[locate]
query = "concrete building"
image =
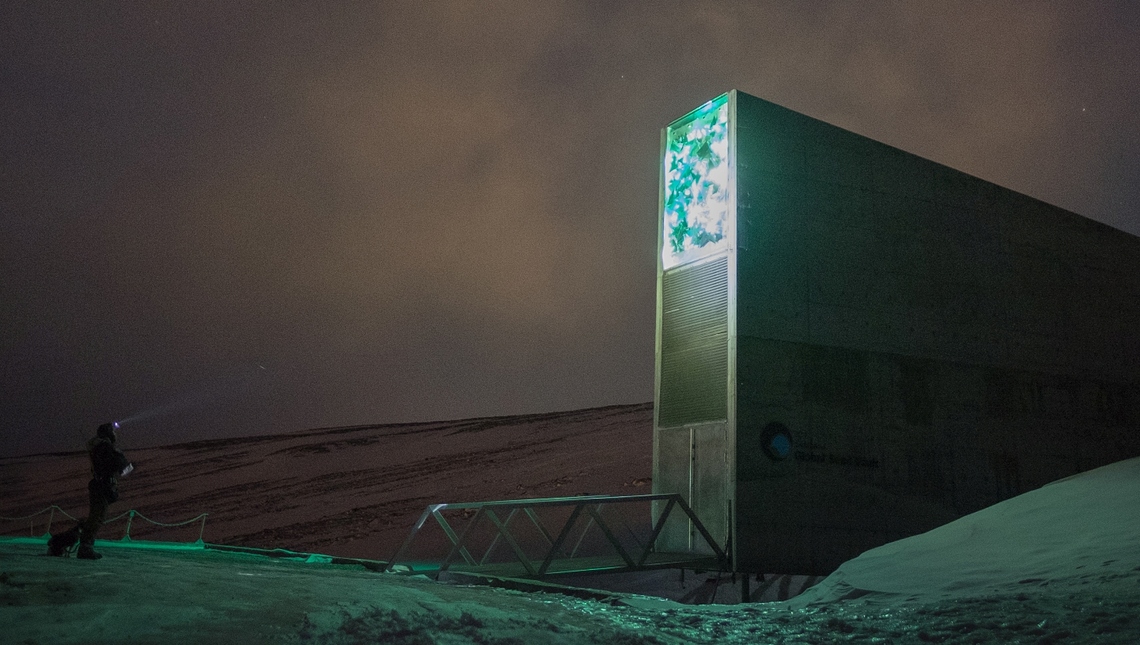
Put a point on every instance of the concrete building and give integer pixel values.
(855, 344)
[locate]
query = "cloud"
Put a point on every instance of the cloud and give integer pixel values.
(419, 210)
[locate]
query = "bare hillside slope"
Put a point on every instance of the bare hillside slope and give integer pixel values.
(351, 491)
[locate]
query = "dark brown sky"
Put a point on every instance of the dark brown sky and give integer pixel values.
(248, 218)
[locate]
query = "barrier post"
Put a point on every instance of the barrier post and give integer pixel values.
(130, 518)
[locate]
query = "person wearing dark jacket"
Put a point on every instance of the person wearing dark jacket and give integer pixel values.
(108, 463)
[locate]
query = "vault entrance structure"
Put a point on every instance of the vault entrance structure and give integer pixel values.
(855, 344)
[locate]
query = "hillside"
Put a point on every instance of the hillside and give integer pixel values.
(351, 491)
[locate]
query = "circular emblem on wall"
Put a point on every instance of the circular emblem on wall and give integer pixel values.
(777, 441)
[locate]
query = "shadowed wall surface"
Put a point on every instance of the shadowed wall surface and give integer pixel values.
(934, 343)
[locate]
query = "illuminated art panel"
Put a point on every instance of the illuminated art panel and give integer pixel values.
(696, 200)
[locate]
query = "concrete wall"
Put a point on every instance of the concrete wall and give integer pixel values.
(935, 343)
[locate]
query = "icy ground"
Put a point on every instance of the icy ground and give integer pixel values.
(1057, 565)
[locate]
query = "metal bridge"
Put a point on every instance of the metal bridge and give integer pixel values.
(594, 536)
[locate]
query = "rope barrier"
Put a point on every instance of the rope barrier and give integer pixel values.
(130, 515)
(52, 508)
(157, 523)
(25, 517)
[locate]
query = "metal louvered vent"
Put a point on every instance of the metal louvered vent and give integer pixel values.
(694, 344)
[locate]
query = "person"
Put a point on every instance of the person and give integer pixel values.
(108, 463)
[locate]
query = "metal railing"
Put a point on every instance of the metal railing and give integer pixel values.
(500, 515)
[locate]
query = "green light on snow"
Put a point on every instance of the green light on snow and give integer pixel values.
(696, 184)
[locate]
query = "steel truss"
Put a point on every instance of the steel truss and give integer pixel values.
(558, 559)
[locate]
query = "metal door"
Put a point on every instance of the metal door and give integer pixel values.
(709, 496)
(674, 460)
(693, 461)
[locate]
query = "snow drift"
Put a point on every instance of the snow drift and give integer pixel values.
(1082, 528)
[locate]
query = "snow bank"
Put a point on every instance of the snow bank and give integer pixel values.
(1082, 528)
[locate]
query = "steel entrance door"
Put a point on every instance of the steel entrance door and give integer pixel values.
(709, 497)
(693, 461)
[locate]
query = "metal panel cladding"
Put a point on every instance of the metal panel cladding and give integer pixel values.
(694, 344)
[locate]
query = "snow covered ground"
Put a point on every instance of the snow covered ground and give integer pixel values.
(1082, 531)
(1060, 564)
(1057, 565)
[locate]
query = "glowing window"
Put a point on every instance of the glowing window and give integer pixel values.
(696, 184)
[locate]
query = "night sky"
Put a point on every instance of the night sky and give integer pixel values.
(228, 218)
